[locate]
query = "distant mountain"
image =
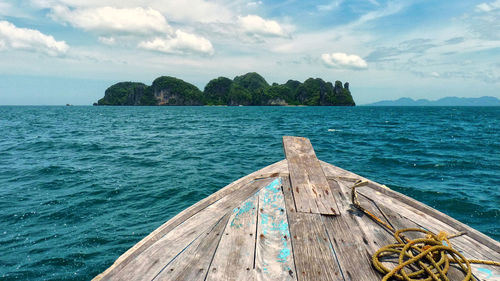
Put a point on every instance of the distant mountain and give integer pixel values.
(448, 101)
(247, 89)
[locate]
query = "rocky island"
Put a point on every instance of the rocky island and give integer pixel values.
(248, 89)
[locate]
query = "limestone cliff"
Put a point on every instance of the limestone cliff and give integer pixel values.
(172, 91)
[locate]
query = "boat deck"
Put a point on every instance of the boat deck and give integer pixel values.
(292, 220)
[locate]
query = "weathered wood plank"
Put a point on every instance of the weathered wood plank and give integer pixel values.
(476, 249)
(375, 235)
(464, 244)
(437, 215)
(286, 187)
(273, 253)
(339, 173)
(372, 234)
(350, 241)
(303, 196)
(395, 216)
(192, 264)
(485, 272)
(367, 203)
(386, 213)
(311, 191)
(274, 170)
(313, 253)
(484, 240)
(234, 258)
(473, 245)
(471, 249)
(402, 215)
(149, 263)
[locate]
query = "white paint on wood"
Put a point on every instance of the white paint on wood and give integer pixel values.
(234, 258)
(273, 257)
(149, 263)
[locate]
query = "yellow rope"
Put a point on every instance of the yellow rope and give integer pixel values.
(427, 258)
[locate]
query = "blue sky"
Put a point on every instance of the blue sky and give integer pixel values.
(70, 51)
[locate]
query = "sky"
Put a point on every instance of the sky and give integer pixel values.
(69, 51)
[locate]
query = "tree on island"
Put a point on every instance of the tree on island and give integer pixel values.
(247, 89)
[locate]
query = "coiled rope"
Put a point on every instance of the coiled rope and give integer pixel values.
(427, 258)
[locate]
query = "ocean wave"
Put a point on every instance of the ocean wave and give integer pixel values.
(80, 187)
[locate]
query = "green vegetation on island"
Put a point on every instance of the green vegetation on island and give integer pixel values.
(248, 89)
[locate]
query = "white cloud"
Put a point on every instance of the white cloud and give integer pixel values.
(329, 7)
(147, 25)
(110, 20)
(191, 10)
(253, 24)
(488, 7)
(254, 3)
(126, 19)
(181, 43)
(435, 74)
(483, 7)
(173, 10)
(391, 9)
(484, 22)
(12, 37)
(343, 60)
(107, 40)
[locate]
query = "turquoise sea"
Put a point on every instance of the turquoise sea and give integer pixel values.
(81, 185)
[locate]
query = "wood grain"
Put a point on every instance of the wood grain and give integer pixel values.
(192, 263)
(399, 221)
(273, 253)
(234, 258)
(476, 249)
(470, 248)
(491, 244)
(311, 191)
(254, 230)
(313, 254)
(350, 242)
(149, 263)
(273, 170)
(375, 235)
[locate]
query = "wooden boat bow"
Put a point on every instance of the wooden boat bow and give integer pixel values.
(292, 220)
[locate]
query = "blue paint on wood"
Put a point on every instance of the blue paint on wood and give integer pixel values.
(264, 221)
(264, 267)
(284, 254)
(486, 271)
(272, 198)
(274, 186)
(283, 227)
(247, 206)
